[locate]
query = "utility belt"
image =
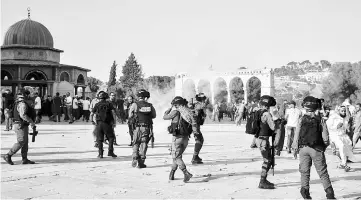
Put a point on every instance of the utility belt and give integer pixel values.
(263, 137)
(22, 123)
(142, 125)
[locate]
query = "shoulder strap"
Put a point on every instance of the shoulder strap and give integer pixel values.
(179, 118)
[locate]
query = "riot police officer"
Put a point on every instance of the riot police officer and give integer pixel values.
(24, 115)
(266, 130)
(143, 112)
(200, 113)
(311, 140)
(104, 115)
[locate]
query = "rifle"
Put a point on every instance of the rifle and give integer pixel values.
(34, 134)
(273, 155)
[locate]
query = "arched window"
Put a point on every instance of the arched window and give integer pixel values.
(64, 76)
(80, 79)
(5, 75)
(36, 75)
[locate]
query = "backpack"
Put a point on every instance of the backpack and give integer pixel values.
(182, 127)
(253, 122)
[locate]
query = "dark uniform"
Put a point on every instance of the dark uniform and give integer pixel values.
(181, 130)
(311, 139)
(24, 115)
(105, 114)
(144, 112)
(130, 122)
(200, 113)
(115, 106)
(266, 131)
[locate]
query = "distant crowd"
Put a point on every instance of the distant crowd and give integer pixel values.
(66, 108)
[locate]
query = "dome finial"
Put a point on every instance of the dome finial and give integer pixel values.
(29, 12)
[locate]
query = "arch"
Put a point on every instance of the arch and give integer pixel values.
(220, 90)
(204, 86)
(36, 75)
(189, 89)
(64, 76)
(236, 89)
(80, 79)
(5, 75)
(253, 87)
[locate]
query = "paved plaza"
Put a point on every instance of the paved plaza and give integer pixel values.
(67, 168)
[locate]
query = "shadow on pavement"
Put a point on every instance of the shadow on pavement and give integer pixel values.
(255, 173)
(318, 181)
(354, 196)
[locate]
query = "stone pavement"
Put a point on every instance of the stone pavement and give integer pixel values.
(67, 168)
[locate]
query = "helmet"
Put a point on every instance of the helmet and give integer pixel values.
(103, 95)
(201, 97)
(267, 101)
(143, 93)
(177, 101)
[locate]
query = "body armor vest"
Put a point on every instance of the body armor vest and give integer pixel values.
(144, 112)
(311, 131)
(265, 130)
(29, 112)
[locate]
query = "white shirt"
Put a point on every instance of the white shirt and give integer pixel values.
(69, 100)
(37, 103)
(293, 116)
(75, 103)
(86, 105)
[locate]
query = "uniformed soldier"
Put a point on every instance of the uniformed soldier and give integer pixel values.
(104, 115)
(113, 101)
(311, 140)
(24, 115)
(267, 127)
(200, 114)
(92, 105)
(130, 123)
(144, 112)
(182, 125)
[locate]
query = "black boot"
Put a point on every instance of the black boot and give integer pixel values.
(187, 175)
(141, 164)
(101, 151)
(134, 162)
(111, 153)
(7, 158)
(26, 160)
(111, 148)
(171, 174)
(330, 194)
(264, 184)
(305, 193)
(196, 160)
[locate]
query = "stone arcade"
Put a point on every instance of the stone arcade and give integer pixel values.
(207, 82)
(28, 58)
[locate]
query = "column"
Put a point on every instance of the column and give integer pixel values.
(245, 94)
(228, 94)
(19, 87)
(76, 90)
(83, 92)
(13, 89)
(48, 88)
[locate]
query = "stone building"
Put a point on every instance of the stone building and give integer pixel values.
(28, 58)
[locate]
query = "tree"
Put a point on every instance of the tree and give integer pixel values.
(343, 82)
(112, 75)
(254, 89)
(132, 74)
(94, 84)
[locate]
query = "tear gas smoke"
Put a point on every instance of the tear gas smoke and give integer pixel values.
(220, 90)
(189, 90)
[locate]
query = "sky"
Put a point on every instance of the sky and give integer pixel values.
(168, 37)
